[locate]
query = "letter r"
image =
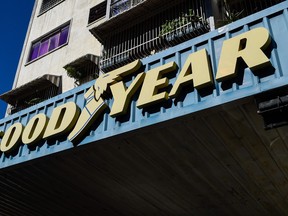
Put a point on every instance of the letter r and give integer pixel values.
(250, 47)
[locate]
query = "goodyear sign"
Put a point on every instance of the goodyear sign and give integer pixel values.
(68, 120)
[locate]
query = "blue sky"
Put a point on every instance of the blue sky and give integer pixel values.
(14, 20)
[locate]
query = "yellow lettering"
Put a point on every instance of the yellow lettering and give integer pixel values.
(95, 103)
(197, 69)
(249, 46)
(122, 96)
(105, 80)
(11, 138)
(89, 114)
(34, 130)
(152, 83)
(62, 120)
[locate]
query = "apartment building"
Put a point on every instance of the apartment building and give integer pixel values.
(148, 107)
(57, 37)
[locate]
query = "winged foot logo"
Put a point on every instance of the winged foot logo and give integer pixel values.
(95, 103)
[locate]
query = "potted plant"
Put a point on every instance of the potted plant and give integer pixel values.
(184, 24)
(74, 73)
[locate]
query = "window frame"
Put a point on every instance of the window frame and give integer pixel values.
(48, 36)
(44, 11)
(102, 7)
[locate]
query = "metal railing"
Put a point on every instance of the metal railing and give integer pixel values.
(35, 98)
(172, 26)
(149, 47)
(166, 28)
(91, 72)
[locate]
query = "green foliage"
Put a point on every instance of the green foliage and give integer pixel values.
(182, 20)
(74, 73)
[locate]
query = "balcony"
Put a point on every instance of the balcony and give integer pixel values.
(32, 93)
(142, 36)
(83, 69)
(154, 41)
(127, 35)
(129, 12)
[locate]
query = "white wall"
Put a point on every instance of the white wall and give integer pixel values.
(81, 41)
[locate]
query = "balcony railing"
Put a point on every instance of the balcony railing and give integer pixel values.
(175, 24)
(164, 28)
(83, 69)
(33, 99)
(156, 44)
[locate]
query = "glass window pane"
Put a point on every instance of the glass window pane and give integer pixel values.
(54, 41)
(44, 47)
(34, 51)
(64, 36)
(50, 43)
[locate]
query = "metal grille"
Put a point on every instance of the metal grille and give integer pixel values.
(35, 98)
(150, 36)
(47, 4)
(86, 68)
(91, 72)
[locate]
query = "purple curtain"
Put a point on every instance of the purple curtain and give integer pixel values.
(44, 47)
(34, 51)
(54, 41)
(64, 36)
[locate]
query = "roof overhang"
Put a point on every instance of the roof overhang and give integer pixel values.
(88, 58)
(39, 83)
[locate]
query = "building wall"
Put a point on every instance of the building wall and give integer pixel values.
(80, 41)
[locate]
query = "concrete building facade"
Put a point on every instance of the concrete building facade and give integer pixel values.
(74, 15)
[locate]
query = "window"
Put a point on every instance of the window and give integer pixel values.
(48, 4)
(97, 12)
(49, 43)
(119, 6)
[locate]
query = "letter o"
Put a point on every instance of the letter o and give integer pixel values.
(11, 138)
(34, 130)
